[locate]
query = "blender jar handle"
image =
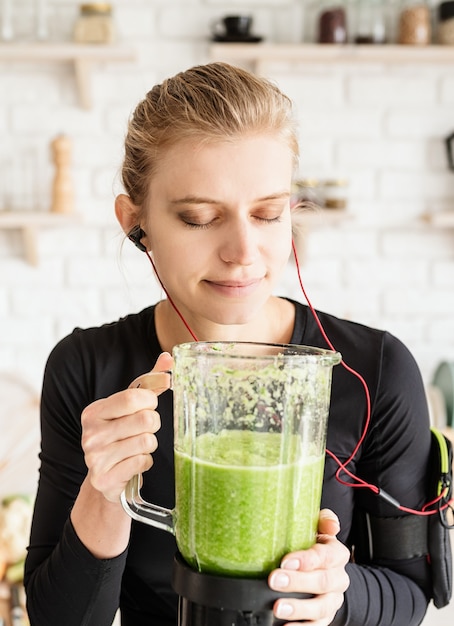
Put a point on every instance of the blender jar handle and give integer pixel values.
(131, 500)
(143, 511)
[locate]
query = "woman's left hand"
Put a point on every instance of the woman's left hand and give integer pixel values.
(320, 570)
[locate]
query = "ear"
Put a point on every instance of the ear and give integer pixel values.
(126, 212)
(128, 215)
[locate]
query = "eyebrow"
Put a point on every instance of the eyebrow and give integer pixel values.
(191, 199)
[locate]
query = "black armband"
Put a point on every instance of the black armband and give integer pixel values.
(410, 536)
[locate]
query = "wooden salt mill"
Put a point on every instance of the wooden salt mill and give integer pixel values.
(62, 188)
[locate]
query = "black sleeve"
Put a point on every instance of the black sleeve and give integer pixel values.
(65, 583)
(380, 597)
(394, 457)
(72, 587)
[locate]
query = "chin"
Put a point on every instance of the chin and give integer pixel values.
(237, 315)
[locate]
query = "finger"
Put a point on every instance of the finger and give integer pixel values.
(112, 483)
(119, 404)
(115, 453)
(326, 553)
(317, 581)
(98, 437)
(145, 421)
(163, 362)
(153, 380)
(319, 610)
(328, 522)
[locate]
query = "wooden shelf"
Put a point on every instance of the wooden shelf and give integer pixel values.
(81, 56)
(260, 54)
(29, 223)
(442, 219)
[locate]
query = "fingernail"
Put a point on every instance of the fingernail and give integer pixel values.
(328, 514)
(292, 564)
(284, 610)
(279, 580)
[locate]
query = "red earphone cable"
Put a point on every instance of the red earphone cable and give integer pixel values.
(342, 467)
(169, 298)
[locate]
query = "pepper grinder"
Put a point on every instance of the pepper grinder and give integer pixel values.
(62, 188)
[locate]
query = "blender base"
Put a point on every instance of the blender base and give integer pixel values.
(209, 600)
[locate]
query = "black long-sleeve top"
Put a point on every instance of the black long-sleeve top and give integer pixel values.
(66, 584)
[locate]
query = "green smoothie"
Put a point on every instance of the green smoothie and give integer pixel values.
(239, 509)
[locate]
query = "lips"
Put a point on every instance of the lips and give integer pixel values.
(235, 289)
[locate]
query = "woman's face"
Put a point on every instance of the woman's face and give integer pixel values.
(218, 225)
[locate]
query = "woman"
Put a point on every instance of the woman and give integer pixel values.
(209, 159)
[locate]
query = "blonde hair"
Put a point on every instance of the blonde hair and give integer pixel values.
(210, 102)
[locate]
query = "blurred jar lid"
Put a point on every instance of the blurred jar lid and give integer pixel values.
(96, 8)
(307, 182)
(336, 182)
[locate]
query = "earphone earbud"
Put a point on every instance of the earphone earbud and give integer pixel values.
(135, 235)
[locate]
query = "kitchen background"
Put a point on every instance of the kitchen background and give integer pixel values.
(387, 260)
(379, 125)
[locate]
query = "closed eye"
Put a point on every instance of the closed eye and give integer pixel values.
(197, 226)
(270, 212)
(206, 212)
(204, 225)
(268, 220)
(198, 218)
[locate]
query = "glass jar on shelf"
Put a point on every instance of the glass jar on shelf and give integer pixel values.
(335, 193)
(445, 25)
(307, 193)
(332, 21)
(95, 23)
(369, 22)
(414, 22)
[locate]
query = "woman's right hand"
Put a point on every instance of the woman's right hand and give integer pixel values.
(119, 435)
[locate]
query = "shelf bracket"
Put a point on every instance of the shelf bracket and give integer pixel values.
(30, 246)
(82, 70)
(29, 223)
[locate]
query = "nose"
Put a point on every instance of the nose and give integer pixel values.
(239, 244)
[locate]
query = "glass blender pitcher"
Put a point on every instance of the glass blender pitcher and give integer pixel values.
(250, 423)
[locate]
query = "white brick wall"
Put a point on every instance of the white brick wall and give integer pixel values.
(381, 126)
